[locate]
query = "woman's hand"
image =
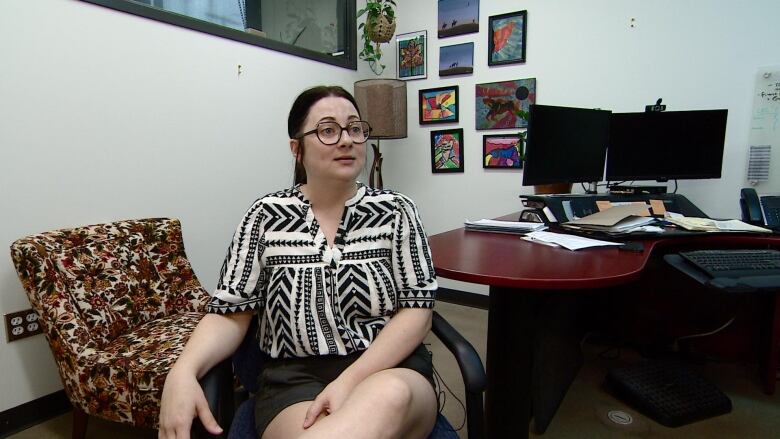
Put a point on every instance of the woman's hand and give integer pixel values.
(330, 399)
(182, 400)
(402, 334)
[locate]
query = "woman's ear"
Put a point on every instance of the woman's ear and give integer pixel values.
(295, 144)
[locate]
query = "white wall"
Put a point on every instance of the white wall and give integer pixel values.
(107, 116)
(695, 54)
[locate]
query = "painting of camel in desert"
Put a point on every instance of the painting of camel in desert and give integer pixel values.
(458, 17)
(456, 60)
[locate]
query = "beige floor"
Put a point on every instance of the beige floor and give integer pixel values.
(582, 414)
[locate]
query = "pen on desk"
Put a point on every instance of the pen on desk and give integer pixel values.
(539, 241)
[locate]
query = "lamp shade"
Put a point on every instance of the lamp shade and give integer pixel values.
(382, 103)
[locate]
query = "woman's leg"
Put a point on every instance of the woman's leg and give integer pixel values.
(289, 422)
(393, 403)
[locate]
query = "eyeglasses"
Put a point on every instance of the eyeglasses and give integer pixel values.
(329, 132)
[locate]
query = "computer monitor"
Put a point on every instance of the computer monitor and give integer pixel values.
(565, 145)
(666, 145)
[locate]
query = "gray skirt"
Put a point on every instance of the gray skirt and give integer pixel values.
(287, 381)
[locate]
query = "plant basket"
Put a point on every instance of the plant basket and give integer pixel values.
(380, 29)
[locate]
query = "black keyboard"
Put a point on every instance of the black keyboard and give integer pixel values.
(735, 263)
(772, 216)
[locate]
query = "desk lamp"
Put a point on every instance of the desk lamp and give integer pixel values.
(382, 103)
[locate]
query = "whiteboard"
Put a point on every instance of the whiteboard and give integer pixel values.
(764, 142)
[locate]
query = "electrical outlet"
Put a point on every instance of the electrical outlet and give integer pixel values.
(22, 324)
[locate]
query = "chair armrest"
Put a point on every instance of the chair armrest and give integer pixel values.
(468, 359)
(217, 386)
(472, 370)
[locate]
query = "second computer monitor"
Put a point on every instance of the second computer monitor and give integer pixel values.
(666, 145)
(565, 145)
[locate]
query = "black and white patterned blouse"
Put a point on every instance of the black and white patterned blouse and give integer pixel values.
(316, 300)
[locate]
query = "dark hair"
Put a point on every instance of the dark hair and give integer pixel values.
(299, 112)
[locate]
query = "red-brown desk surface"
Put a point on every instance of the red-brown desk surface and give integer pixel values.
(516, 271)
(507, 261)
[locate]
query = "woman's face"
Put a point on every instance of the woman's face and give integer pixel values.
(342, 161)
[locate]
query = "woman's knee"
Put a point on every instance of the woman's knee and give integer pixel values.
(393, 391)
(410, 401)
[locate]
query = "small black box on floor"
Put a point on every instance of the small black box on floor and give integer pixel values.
(668, 392)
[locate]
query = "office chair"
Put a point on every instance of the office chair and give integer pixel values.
(117, 302)
(246, 364)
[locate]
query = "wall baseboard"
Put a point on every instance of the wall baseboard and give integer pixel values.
(34, 412)
(464, 298)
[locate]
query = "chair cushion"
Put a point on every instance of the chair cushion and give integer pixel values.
(243, 425)
(110, 285)
(136, 364)
(442, 429)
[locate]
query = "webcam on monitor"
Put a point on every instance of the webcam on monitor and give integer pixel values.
(657, 107)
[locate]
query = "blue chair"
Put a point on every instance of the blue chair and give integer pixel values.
(236, 408)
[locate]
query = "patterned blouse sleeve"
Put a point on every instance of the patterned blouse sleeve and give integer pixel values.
(241, 280)
(412, 264)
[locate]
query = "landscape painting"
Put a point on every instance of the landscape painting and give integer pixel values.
(502, 151)
(456, 60)
(458, 17)
(504, 104)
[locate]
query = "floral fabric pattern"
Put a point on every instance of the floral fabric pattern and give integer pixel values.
(117, 303)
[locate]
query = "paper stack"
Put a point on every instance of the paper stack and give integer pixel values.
(514, 227)
(711, 225)
(617, 219)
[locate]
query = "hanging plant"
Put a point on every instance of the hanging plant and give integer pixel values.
(378, 28)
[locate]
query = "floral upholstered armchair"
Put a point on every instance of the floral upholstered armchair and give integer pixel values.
(117, 303)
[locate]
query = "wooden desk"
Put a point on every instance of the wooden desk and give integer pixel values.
(534, 295)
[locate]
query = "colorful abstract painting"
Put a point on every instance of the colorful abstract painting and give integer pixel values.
(506, 38)
(504, 104)
(456, 60)
(438, 105)
(458, 17)
(411, 55)
(447, 150)
(502, 151)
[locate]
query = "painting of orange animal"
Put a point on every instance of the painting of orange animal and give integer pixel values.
(504, 104)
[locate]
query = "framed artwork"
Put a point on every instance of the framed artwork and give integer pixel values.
(447, 150)
(438, 105)
(504, 104)
(502, 151)
(411, 55)
(458, 17)
(507, 38)
(457, 59)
